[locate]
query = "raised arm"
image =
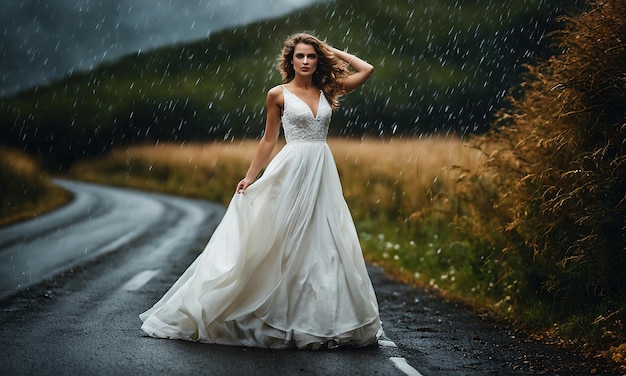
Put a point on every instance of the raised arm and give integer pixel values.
(268, 141)
(363, 70)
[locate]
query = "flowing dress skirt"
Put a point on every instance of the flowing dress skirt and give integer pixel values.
(283, 269)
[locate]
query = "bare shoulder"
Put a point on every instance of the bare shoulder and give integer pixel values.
(275, 96)
(275, 91)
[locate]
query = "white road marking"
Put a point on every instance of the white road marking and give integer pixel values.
(386, 343)
(139, 280)
(405, 367)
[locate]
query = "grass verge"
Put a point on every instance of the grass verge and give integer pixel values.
(26, 191)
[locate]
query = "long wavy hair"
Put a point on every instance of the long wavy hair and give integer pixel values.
(329, 70)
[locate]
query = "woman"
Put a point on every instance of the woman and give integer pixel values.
(284, 268)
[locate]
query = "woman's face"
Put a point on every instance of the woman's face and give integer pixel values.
(304, 59)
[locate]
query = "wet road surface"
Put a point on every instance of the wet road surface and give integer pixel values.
(74, 281)
(99, 220)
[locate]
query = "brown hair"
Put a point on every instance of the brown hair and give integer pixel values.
(329, 71)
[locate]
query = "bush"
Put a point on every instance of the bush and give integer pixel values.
(564, 177)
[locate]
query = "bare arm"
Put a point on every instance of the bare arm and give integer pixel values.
(268, 141)
(363, 70)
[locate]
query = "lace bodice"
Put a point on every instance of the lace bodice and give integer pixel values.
(298, 120)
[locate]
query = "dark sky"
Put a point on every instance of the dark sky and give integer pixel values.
(45, 39)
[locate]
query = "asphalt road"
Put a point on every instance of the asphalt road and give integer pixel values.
(74, 281)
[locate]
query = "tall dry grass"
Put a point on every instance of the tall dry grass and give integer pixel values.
(368, 168)
(399, 177)
(25, 189)
(564, 187)
(202, 170)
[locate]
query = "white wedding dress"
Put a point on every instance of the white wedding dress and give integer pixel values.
(284, 268)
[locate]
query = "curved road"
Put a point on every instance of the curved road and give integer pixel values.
(99, 220)
(72, 283)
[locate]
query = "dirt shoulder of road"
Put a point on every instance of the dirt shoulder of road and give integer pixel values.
(450, 337)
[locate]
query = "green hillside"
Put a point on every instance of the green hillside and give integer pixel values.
(441, 66)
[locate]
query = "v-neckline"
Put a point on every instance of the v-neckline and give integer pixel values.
(319, 102)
